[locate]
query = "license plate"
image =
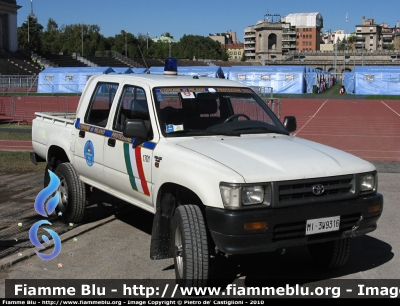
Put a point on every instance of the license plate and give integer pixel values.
(322, 225)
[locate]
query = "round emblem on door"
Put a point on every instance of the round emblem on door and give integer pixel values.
(318, 189)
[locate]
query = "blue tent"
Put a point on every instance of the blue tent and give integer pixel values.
(319, 78)
(373, 80)
(311, 79)
(139, 70)
(67, 79)
(282, 79)
(225, 70)
(201, 71)
(122, 70)
(348, 82)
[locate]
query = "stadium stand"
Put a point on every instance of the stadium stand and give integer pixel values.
(58, 60)
(149, 62)
(105, 61)
(17, 64)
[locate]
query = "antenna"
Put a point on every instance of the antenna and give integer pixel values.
(143, 58)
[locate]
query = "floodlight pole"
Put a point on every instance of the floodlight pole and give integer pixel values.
(147, 38)
(335, 59)
(82, 40)
(344, 57)
(126, 47)
(362, 55)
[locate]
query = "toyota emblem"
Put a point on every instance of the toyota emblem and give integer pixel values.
(318, 189)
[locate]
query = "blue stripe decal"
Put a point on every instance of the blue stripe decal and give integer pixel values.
(111, 134)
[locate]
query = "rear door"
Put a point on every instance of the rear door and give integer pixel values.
(91, 132)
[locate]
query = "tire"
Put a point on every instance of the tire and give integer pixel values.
(190, 246)
(332, 254)
(72, 194)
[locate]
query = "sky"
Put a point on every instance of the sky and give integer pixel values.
(183, 17)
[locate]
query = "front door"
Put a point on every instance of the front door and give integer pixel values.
(128, 163)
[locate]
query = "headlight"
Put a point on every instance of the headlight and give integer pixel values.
(252, 195)
(368, 182)
(235, 196)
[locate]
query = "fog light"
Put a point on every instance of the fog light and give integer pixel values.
(251, 226)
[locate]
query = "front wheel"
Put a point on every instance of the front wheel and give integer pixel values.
(331, 254)
(190, 246)
(71, 205)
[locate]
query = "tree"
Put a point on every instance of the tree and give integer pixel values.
(224, 54)
(51, 38)
(243, 59)
(86, 39)
(351, 41)
(340, 45)
(29, 35)
(200, 47)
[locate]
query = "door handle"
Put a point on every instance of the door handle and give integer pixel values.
(82, 134)
(111, 142)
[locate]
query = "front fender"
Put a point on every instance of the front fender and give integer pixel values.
(195, 172)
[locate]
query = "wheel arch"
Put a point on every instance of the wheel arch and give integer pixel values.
(169, 197)
(56, 155)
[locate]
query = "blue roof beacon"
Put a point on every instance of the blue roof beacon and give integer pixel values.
(171, 66)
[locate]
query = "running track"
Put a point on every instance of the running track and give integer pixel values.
(369, 129)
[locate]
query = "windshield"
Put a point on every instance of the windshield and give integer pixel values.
(205, 111)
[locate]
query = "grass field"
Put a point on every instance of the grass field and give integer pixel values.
(18, 162)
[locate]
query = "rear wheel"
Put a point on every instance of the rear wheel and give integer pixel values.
(331, 254)
(72, 194)
(190, 246)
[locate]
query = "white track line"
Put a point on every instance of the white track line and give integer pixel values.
(391, 109)
(311, 118)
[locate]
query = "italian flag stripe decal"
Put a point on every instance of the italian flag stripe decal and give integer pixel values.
(134, 167)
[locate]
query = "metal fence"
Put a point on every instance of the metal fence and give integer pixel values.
(267, 94)
(18, 83)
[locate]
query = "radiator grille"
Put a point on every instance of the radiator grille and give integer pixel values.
(301, 191)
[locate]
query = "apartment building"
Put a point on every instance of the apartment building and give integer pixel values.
(367, 35)
(269, 40)
(235, 51)
(371, 36)
(308, 30)
(229, 42)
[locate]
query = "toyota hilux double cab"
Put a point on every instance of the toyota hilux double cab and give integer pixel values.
(213, 163)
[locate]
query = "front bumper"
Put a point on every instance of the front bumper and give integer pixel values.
(287, 226)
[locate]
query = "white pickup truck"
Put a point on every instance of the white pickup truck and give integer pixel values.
(213, 163)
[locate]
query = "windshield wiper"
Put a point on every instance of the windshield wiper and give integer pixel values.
(261, 129)
(203, 133)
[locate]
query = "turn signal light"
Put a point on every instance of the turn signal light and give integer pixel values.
(375, 208)
(252, 226)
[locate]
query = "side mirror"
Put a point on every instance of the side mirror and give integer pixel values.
(290, 123)
(135, 128)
